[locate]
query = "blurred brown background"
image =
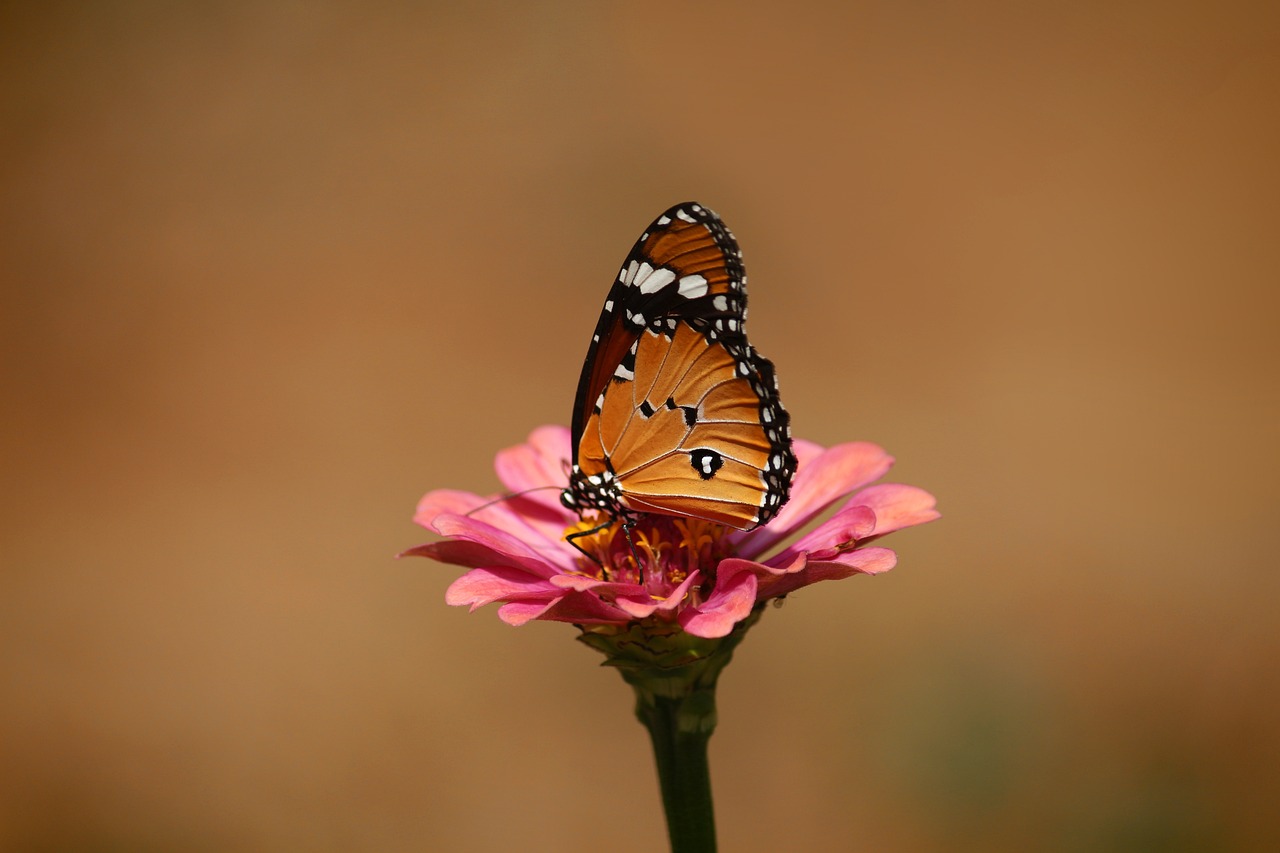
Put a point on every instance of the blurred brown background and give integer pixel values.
(271, 271)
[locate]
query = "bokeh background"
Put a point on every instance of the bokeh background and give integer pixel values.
(272, 271)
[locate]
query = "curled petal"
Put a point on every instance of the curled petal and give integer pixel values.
(522, 612)
(729, 604)
(897, 506)
(863, 561)
(820, 481)
(873, 512)
(848, 525)
(834, 566)
(766, 574)
(645, 605)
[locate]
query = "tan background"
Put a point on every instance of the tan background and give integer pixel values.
(272, 271)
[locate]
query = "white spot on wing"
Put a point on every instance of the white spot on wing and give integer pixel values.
(680, 214)
(653, 280)
(639, 272)
(693, 286)
(721, 303)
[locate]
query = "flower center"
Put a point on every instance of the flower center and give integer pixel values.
(658, 551)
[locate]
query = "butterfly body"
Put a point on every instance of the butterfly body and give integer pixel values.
(676, 413)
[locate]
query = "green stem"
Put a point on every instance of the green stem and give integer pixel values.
(674, 676)
(680, 729)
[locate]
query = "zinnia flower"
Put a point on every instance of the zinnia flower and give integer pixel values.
(666, 573)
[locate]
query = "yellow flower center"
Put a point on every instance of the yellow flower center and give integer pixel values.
(655, 550)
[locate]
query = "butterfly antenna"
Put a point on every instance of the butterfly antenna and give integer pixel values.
(508, 496)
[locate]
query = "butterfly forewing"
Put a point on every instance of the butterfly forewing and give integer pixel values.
(676, 413)
(685, 265)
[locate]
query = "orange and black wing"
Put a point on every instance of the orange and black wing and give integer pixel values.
(676, 413)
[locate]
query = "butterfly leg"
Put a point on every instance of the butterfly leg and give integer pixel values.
(627, 525)
(592, 557)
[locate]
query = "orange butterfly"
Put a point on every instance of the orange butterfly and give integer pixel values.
(676, 413)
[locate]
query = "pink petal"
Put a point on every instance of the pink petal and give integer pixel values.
(819, 482)
(874, 560)
(494, 511)
(806, 451)
(644, 605)
(866, 561)
(522, 612)
(479, 587)
(577, 607)
(765, 573)
(514, 551)
(734, 596)
(440, 501)
(459, 552)
(897, 506)
(863, 561)
(848, 525)
(538, 518)
(553, 441)
(586, 583)
(677, 595)
(530, 522)
(533, 524)
(540, 463)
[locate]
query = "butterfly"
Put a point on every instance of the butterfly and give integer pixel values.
(676, 413)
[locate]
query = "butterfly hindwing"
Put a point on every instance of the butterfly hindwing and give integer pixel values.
(676, 413)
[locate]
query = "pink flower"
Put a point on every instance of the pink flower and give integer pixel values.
(701, 576)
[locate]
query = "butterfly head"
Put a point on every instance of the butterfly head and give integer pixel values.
(595, 492)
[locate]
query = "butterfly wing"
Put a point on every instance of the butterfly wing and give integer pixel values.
(685, 265)
(676, 413)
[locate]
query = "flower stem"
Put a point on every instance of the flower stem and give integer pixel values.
(680, 729)
(674, 675)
